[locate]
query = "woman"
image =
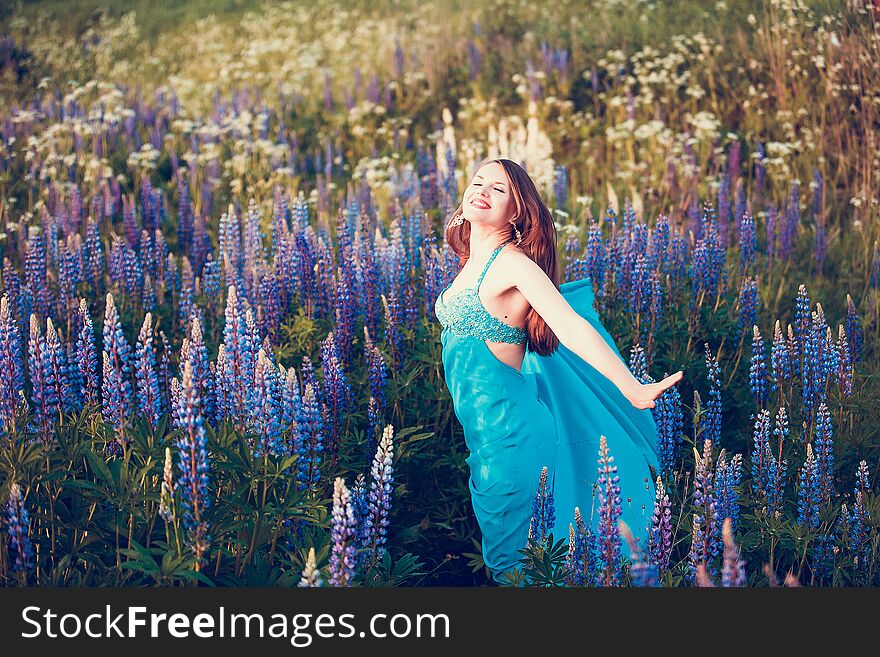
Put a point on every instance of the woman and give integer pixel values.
(549, 406)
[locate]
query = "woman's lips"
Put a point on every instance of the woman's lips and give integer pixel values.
(484, 206)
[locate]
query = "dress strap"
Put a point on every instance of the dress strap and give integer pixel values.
(491, 258)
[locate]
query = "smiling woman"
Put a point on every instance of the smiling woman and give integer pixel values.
(524, 400)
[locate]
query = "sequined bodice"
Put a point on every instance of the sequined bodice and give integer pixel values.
(465, 314)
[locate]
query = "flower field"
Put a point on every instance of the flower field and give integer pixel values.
(222, 238)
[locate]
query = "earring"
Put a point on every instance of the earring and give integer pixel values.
(518, 234)
(458, 221)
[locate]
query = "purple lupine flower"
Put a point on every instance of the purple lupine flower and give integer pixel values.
(844, 363)
(780, 359)
(644, 572)
(809, 492)
(609, 512)
(21, 551)
(733, 570)
(264, 411)
(337, 396)
(660, 544)
(379, 502)
(748, 243)
(706, 527)
(116, 391)
(35, 269)
(713, 407)
(192, 449)
(291, 401)
(758, 369)
(311, 443)
(543, 511)
(44, 391)
(858, 539)
(825, 452)
(149, 398)
(86, 358)
(727, 479)
(853, 330)
(342, 554)
(11, 365)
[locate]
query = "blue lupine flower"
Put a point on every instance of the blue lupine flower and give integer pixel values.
(748, 243)
(853, 330)
(596, 256)
(825, 452)
(360, 508)
(638, 364)
(87, 360)
(582, 563)
(337, 393)
(197, 353)
(609, 512)
(758, 369)
(733, 570)
(802, 321)
(192, 448)
(713, 407)
(543, 511)
(21, 551)
(760, 448)
(809, 492)
(11, 365)
(310, 441)
(727, 478)
(661, 529)
(775, 485)
(379, 502)
(747, 305)
(149, 399)
(780, 359)
(378, 371)
(343, 550)
(44, 390)
(57, 362)
(669, 418)
(265, 414)
(116, 390)
(239, 357)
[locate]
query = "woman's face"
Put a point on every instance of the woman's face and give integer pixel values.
(488, 199)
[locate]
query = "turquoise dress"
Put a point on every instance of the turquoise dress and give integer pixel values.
(551, 413)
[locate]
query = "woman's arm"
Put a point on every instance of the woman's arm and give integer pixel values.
(577, 334)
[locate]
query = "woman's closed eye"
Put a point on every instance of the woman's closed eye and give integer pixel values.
(495, 188)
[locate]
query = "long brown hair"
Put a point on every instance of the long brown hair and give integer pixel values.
(535, 224)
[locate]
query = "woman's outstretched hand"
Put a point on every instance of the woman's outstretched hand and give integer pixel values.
(644, 394)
